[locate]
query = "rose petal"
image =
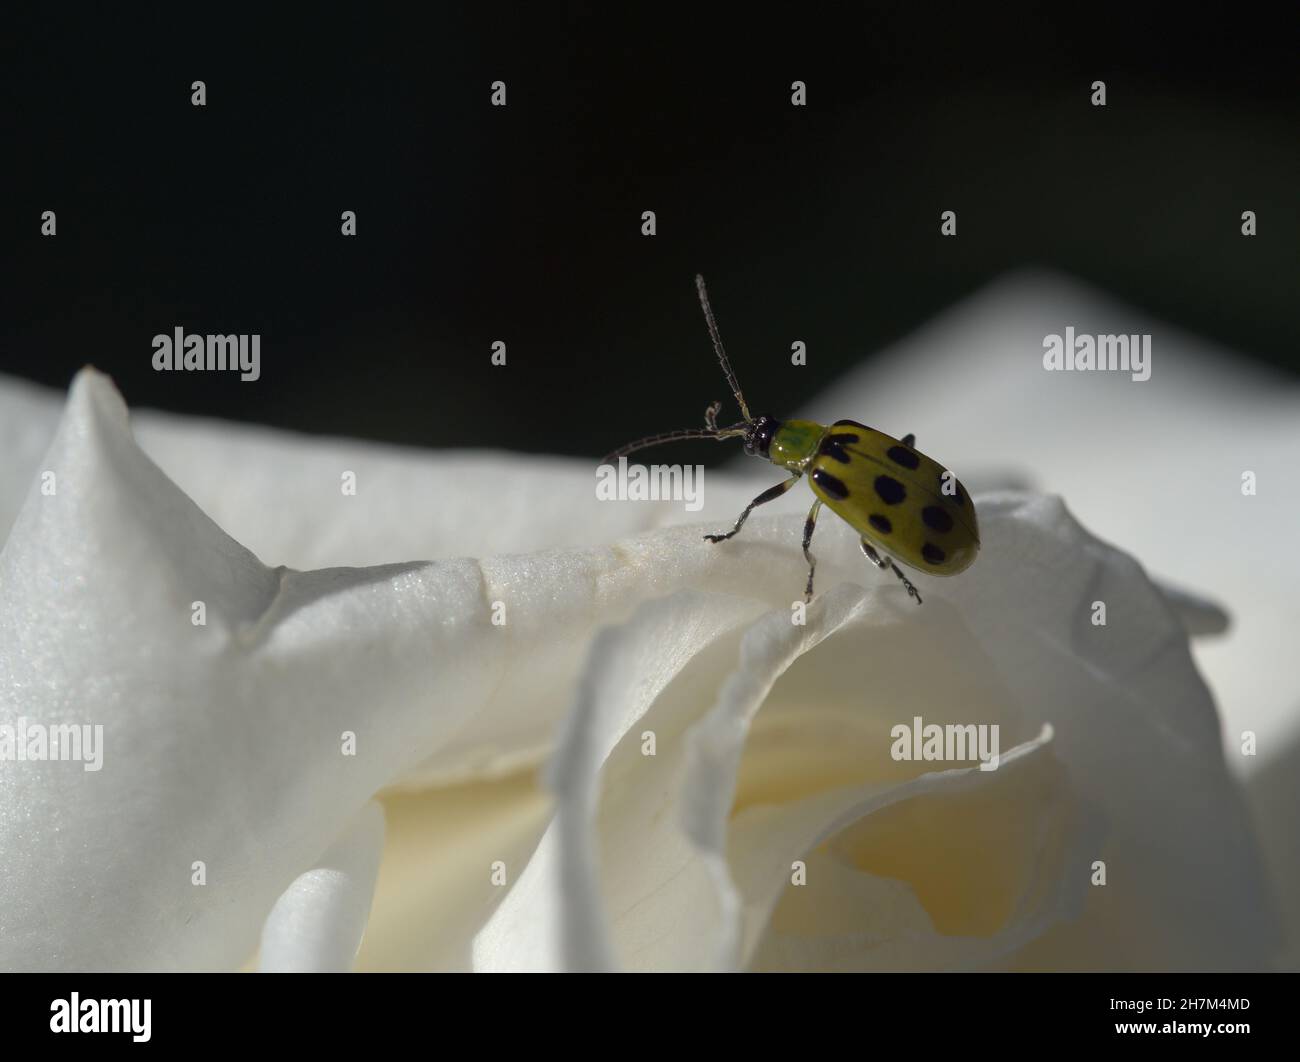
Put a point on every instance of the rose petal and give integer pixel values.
(1014, 644)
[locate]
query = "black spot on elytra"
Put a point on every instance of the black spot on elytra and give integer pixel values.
(880, 523)
(933, 553)
(832, 486)
(936, 519)
(891, 492)
(903, 457)
(833, 446)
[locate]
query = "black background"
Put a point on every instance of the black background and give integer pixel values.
(478, 223)
(233, 1013)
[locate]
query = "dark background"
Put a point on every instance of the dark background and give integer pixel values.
(523, 224)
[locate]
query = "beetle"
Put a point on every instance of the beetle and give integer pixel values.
(899, 501)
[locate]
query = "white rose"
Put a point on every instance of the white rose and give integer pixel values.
(226, 744)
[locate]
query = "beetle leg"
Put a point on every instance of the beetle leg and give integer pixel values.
(808, 527)
(871, 553)
(771, 494)
(907, 583)
(909, 439)
(884, 562)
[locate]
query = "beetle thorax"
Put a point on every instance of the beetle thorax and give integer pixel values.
(794, 443)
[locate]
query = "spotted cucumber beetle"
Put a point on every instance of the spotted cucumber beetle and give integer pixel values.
(896, 498)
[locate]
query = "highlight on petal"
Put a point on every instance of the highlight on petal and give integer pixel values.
(317, 924)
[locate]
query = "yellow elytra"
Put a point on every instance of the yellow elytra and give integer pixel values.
(898, 500)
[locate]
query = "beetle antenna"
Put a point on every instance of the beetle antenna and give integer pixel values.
(721, 351)
(732, 431)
